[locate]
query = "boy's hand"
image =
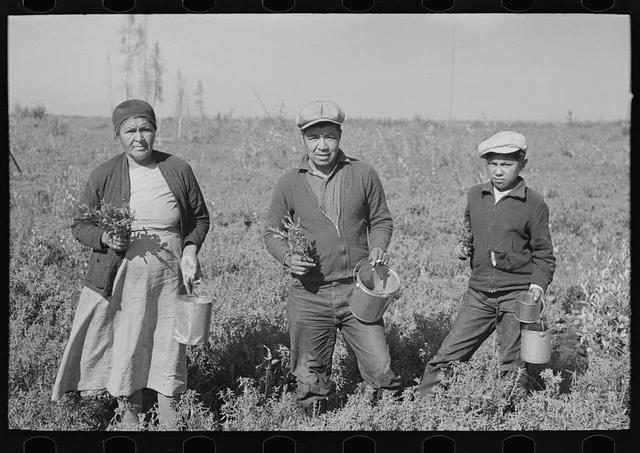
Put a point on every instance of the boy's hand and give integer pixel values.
(462, 251)
(378, 256)
(298, 264)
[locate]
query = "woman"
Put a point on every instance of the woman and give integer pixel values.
(122, 334)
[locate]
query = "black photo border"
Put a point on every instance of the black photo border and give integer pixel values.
(317, 441)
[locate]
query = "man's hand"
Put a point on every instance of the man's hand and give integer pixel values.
(537, 293)
(462, 251)
(190, 267)
(116, 243)
(298, 264)
(378, 256)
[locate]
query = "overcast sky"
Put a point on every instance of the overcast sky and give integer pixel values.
(509, 67)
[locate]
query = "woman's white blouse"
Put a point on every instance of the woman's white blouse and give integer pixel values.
(153, 204)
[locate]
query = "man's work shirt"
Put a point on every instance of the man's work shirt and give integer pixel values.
(327, 188)
(345, 214)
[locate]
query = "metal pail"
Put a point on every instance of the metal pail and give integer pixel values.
(527, 309)
(193, 317)
(535, 343)
(374, 289)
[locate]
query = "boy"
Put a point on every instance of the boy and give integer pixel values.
(511, 253)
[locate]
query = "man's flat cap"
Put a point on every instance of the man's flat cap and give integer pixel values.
(319, 112)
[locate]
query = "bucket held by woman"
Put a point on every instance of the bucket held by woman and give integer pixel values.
(375, 289)
(193, 318)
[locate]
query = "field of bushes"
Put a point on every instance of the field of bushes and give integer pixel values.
(240, 380)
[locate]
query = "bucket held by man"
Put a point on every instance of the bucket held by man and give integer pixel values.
(375, 289)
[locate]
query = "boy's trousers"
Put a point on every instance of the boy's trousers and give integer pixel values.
(481, 313)
(315, 312)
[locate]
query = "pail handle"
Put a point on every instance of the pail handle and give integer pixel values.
(356, 269)
(196, 283)
(543, 307)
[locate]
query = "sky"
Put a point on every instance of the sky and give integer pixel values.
(435, 66)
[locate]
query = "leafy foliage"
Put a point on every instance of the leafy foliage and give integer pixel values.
(114, 220)
(298, 244)
(463, 234)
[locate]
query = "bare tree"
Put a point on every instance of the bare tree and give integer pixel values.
(199, 99)
(128, 48)
(199, 102)
(142, 51)
(157, 71)
(179, 107)
(453, 69)
(138, 64)
(109, 81)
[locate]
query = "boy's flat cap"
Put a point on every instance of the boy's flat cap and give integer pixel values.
(319, 112)
(504, 142)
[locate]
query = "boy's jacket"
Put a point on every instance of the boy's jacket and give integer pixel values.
(511, 239)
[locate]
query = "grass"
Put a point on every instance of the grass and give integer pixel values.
(239, 381)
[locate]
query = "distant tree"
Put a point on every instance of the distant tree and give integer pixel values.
(570, 118)
(180, 104)
(199, 102)
(199, 99)
(157, 70)
(109, 81)
(138, 64)
(128, 49)
(142, 51)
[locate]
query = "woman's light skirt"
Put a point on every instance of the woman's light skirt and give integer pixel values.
(124, 342)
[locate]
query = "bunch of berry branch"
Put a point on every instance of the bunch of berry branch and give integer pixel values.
(298, 244)
(463, 235)
(116, 221)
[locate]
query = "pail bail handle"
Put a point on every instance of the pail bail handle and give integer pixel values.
(357, 268)
(197, 283)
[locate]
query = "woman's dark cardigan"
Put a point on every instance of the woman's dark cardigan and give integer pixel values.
(110, 182)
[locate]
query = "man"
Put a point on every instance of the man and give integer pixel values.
(511, 253)
(341, 205)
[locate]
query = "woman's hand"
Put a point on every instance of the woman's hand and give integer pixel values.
(378, 256)
(114, 242)
(298, 265)
(190, 267)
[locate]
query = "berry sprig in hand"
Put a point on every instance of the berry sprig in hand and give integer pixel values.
(303, 254)
(116, 221)
(464, 244)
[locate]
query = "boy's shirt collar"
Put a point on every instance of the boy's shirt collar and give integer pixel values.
(518, 190)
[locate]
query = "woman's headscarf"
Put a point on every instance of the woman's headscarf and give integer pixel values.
(132, 108)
